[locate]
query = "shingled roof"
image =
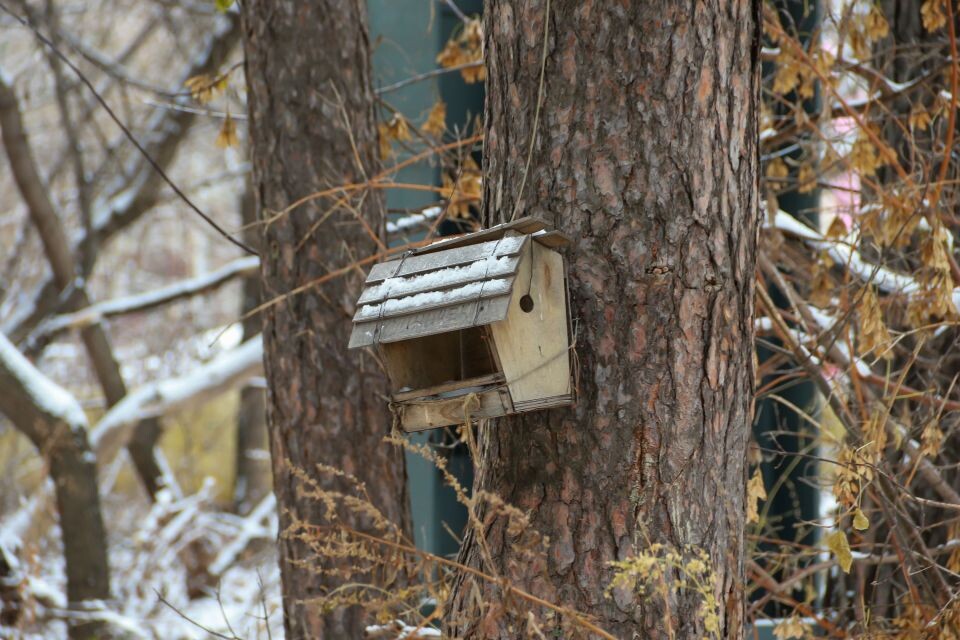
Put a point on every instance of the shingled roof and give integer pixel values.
(453, 284)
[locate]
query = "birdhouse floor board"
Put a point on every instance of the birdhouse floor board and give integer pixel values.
(477, 383)
(417, 415)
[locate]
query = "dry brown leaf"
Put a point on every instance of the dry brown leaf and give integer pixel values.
(840, 547)
(875, 24)
(791, 627)
(204, 88)
(860, 520)
(934, 17)
(228, 134)
(777, 168)
(755, 493)
(436, 122)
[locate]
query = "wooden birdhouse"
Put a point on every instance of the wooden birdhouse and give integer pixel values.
(470, 327)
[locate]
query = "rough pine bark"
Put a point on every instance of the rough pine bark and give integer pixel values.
(646, 154)
(312, 126)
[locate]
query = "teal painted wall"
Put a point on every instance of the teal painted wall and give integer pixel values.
(406, 39)
(406, 36)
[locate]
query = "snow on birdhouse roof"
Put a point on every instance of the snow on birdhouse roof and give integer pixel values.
(457, 283)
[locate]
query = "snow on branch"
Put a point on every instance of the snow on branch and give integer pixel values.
(144, 301)
(252, 527)
(47, 397)
(157, 398)
(414, 220)
(843, 253)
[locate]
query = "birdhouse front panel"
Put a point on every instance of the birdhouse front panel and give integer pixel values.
(532, 340)
(471, 327)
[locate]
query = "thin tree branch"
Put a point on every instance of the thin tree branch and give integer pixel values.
(126, 132)
(158, 398)
(139, 189)
(96, 313)
(426, 75)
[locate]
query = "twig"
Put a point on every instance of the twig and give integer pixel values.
(126, 132)
(426, 75)
(456, 10)
(575, 616)
(180, 613)
(263, 603)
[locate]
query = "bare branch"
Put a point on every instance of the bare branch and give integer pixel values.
(96, 313)
(136, 195)
(158, 398)
(55, 423)
(126, 132)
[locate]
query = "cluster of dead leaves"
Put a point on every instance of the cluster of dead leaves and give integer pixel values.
(864, 29)
(874, 336)
(463, 189)
(934, 302)
(396, 129)
(756, 492)
(436, 122)
(934, 15)
(465, 49)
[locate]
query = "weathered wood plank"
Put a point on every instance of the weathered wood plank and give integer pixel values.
(426, 323)
(453, 385)
(416, 415)
(544, 403)
(441, 279)
(414, 364)
(532, 345)
(445, 319)
(413, 305)
(553, 239)
(525, 225)
(416, 263)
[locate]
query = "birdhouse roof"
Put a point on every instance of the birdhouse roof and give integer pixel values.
(453, 284)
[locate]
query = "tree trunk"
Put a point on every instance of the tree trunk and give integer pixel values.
(56, 425)
(57, 249)
(646, 154)
(312, 126)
